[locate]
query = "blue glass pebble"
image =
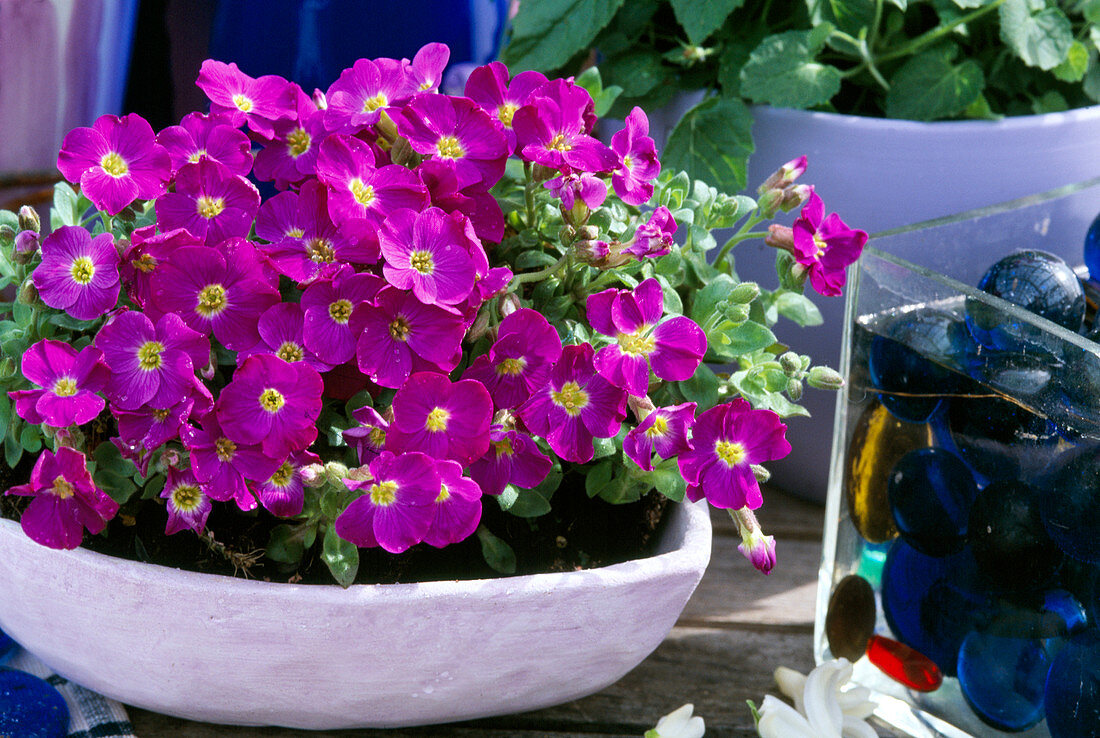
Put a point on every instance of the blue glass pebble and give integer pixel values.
(1092, 249)
(930, 492)
(30, 707)
(1070, 508)
(1073, 688)
(1008, 539)
(7, 646)
(1003, 679)
(999, 439)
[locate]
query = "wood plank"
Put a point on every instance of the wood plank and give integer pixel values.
(782, 515)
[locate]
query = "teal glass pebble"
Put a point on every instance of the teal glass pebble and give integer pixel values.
(30, 707)
(1073, 688)
(1003, 679)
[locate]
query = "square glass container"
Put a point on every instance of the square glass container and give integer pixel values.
(964, 483)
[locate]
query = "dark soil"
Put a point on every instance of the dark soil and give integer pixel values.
(579, 533)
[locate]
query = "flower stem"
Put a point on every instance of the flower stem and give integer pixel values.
(930, 37)
(743, 234)
(529, 194)
(539, 275)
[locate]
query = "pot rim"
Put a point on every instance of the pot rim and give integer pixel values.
(867, 122)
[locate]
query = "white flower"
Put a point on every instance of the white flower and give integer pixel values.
(678, 724)
(822, 709)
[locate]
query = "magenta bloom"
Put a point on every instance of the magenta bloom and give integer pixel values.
(68, 381)
(457, 133)
(359, 96)
(66, 500)
(188, 504)
(512, 458)
(291, 154)
(78, 273)
(328, 305)
(147, 249)
(825, 246)
(398, 335)
(283, 493)
(201, 136)
(151, 365)
(150, 428)
(280, 330)
(489, 87)
(271, 403)
(258, 102)
(426, 68)
(665, 430)
(359, 189)
(519, 362)
(223, 291)
(369, 437)
(654, 237)
(633, 181)
(223, 465)
(727, 440)
(673, 348)
(576, 405)
(475, 203)
(444, 420)
(304, 241)
(552, 130)
(397, 506)
(431, 253)
(209, 201)
(457, 507)
(116, 161)
(582, 186)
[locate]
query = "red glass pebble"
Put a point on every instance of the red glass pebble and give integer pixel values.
(902, 664)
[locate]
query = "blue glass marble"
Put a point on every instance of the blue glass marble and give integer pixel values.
(1000, 439)
(7, 646)
(1008, 539)
(1073, 688)
(1003, 679)
(30, 707)
(930, 492)
(1070, 507)
(1092, 249)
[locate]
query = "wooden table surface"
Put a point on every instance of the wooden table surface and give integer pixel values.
(738, 626)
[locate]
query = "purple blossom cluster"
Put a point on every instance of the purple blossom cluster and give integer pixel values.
(368, 270)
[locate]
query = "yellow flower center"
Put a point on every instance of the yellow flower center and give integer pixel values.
(186, 497)
(377, 437)
(511, 367)
(571, 397)
(363, 193)
(383, 494)
(62, 488)
(149, 355)
(272, 400)
(503, 447)
(295, 233)
(820, 245)
(211, 300)
(449, 148)
(399, 329)
(298, 142)
(82, 270)
(558, 143)
(321, 250)
(283, 475)
(340, 311)
(114, 165)
(422, 262)
(243, 103)
(144, 263)
(196, 156)
(373, 103)
(290, 352)
(225, 449)
(437, 419)
(160, 415)
(732, 453)
(505, 113)
(637, 343)
(444, 494)
(210, 207)
(64, 387)
(658, 429)
(628, 162)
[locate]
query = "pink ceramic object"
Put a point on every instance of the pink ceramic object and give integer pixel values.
(224, 650)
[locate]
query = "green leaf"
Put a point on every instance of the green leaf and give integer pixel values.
(798, 308)
(707, 299)
(624, 489)
(1075, 65)
(701, 388)
(31, 438)
(848, 15)
(748, 337)
(638, 71)
(65, 209)
(603, 447)
(603, 97)
(523, 503)
(285, 544)
(668, 480)
(497, 554)
(13, 451)
(547, 33)
(598, 477)
(712, 142)
(1040, 36)
(733, 58)
(701, 18)
(341, 557)
(781, 71)
(113, 474)
(930, 87)
(1050, 101)
(534, 259)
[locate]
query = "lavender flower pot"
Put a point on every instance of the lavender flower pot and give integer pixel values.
(224, 650)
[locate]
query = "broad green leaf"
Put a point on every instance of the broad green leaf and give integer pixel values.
(31, 438)
(602, 97)
(637, 71)
(113, 474)
(900, 4)
(798, 308)
(782, 71)
(523, 503)
(1076, 64)
(12, 451)
(65, 209)
(748, 337)
(733, 57)
(284, 544)
(970, 4)
(930, 87)
(1091, 85)
(625, 489)
(701, 18)
(847, 15)
(341, 557)
(707, 299)
(497, 554)
(547, 33)
(701, 388)
(1042, 38)
(598, 477)
(668, 480)
(1050, 101)
(712, 142)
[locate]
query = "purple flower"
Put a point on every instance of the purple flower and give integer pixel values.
(654, 238)
(475, 203)
(727, 440)
(457, 507)
(271, 403)
(444, 420)
(673, 348)
(115, 161)
(359, 189)
(150, 428)
(209, 201)
(426, 68)
(664, 430)
(150, 365)
(78, 273)
(283, 493)
(359, 96)
(758, 548)
(398, 335)
(291, 154)
(328, 305)
(519, 362)
(552, 130)
(66, 500)
(147, 249)
(188, 504)
(280, 329)
(568, 188)
(825, 246)
(304, 241)
(457, 133)
(489, 87)
(397, 506)
(258, 102)
(576, 405)
(633, 181)
(201, 136)
(512, 458)
(223, 291)
(68, 380)
(369, 437)
(223, 465)
(431, 253)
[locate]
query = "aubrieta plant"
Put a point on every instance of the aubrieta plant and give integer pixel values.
(447, 302)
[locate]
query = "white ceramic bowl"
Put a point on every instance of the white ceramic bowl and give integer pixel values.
(224, 650)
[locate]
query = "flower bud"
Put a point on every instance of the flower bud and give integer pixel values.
(26, 246)
(640, 406)
(401, 152)
(320, 100)
(822, 377)
(509, 303)
(733, 312)
(592, 252)
(588, 233)
(794, 389)
(762, 475)
(785, 175)
(7, 369)
(313, 475)
(386, 128)
(169, 459)
(755, 546)
(359, 474)
(335, 472)
(770, 201)
(480, 327)
(795, 196)
(791, 363)
(207, 371)
(7, 233)
(745, 293)
(29, 220)
(780, 237)
(28, 293)
(122, 245)
(542, 173)
(566, 234)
